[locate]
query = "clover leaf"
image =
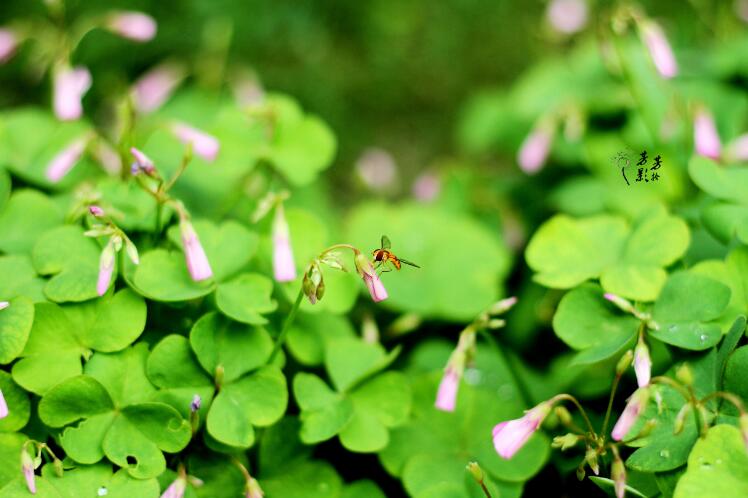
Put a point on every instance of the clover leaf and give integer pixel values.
(72, 260)
(20, 279)
(733, 272)
(117, 420)
(310, 334)
(15, 327)
(363, 406)
(26, 216)
(62, 335)
(246, 298)
(250, 394)
(10, 448)
(565, 252)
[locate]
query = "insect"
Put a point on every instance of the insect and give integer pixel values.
(383, 255)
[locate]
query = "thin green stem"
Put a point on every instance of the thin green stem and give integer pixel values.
(675, 385)
(726, 396)
(606, 420)
(485, 490)
(579, 406)
(286, 325)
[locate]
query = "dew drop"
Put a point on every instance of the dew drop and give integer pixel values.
(472, 376)
(102, 491)
(706, 466)
(718, 461)
(672, 328)
(703, 337)
(664, 454)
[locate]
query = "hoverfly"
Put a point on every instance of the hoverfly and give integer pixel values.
(383, 255)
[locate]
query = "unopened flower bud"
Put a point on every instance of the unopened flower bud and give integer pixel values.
(106, 267)
(195, 403)
(642, 363)
(635, 406)
(220, 372)
(534, 150)
(96, 211)
(66, 159)
(204, 145)
(135, 26)
(621, 303)
(580, 473)
(312, 280)
(194, 254)
(563, 414)
(155, 87)
(27, 467)
(70, 85)
(142, 162)
(590, 456)
(502, 306)
(705, 136)
(625, 362)
(684, 374)
(566, 441)
(57, 467)
(4, 304)
(495, 323)
(253, 489)
(476, 472)
(659, 48)
(618, 474)
(8, 44)
(284, 268)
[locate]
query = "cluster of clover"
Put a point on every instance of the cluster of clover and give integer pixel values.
(148, 94)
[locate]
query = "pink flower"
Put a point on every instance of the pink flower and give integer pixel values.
(204, 145)
(375, 286)
(142, 162)
(4, 304)
(642, 364)
(284, 267)
(106, 267)
(176, 489)
(194, 254)
(636, 404)
(63, 162)
(446, 397)
(8, 45)
(376, 168)
(659, 49)
(156, 86)
(70, 86)
(108, 157)
(96, 211)
(3, 406)
(705, 136)
(133, 25)
(427, 186)
(737, 150)
(534, 150)
(567, 16)
(27, 467)
(510, 436)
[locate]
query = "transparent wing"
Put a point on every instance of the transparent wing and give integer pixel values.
(386, 242)
(410, 263)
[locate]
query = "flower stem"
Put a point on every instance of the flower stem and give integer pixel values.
(606, 420)
(286, 325)
(485, 490)
(579, 406)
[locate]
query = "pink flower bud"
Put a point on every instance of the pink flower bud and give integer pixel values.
(636, 404)
(63, 162)
(567, 16)
(737, 150)
(618, 474)
(284, 267)
(27, 467)
(96, 211)
(375, 286)
(705, 136)
(642, 364)
(194, 254)
(142, 162)
(3, 406)
(253, 489)
(106, 267)
(446, 397)
(427, 187)
(8, 45)
(204, 145)
(70, 86)
(659, 49)
(509, 437)
(4, 304)
(195, 403)
(176, 488)
(133, 25)
(621, 303)
(156, 86)
(535, 149)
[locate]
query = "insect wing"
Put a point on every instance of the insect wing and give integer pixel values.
(409, 263)
(386, 242)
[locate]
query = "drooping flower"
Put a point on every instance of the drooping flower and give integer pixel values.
(176, 488)
(135, 26)
(534, 151)
(705, 136)
(659, 48)
(642, 363)
(371, 279)
(737, 150)
(203, 144)
(70, 85)
(63, 162)
(194, 254)
(142, 163)
(3, 406)
(635, 406)
(510, 436)
(156, 86)
(567, 16)
(446, 396)
(284, 267)
(27, 467)
(106, 267)
(8, 45)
